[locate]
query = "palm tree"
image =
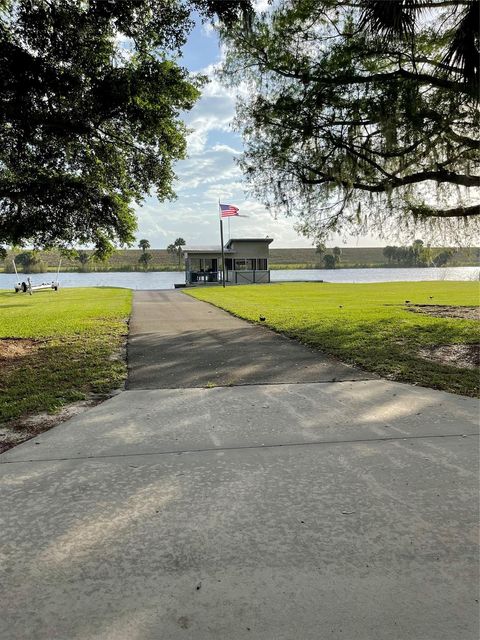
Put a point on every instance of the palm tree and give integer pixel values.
(399, 18)
(144, 244)
(176, 249)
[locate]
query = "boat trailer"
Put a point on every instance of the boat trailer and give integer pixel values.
(27, 285)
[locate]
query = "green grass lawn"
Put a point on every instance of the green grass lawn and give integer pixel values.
(75, 339)
(366, 324)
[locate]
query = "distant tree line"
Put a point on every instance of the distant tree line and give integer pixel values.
(417, 255)
(330, 260)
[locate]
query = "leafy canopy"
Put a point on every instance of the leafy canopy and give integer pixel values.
(144, 244)
(90, 106)
(361, 115)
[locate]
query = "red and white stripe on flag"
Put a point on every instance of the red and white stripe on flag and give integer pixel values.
(228, 210)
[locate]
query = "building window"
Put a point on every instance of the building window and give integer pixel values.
(240, 264)
(250, 264)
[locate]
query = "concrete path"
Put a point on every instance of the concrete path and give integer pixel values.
(176, 341)
(270, 511)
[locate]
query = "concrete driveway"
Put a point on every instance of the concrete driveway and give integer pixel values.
(306, 510)
(176, 341)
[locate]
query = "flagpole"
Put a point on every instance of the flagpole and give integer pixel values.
(221, 241)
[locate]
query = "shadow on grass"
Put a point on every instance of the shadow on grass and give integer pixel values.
(60, 372)
(391, 349)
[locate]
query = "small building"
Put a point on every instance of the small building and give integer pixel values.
(246, 262)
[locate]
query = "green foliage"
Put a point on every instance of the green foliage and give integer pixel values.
(29, 262)
(83, 258)
(320, 251)
(356, 130)
(144, 244)
(104, 249)
(366, 324)
(329, 261)
(442, 258)
(298, 258)
(176, 249)
(78, 334)
(145, 259)
(389, 252)
(418, 255)
(88, 124)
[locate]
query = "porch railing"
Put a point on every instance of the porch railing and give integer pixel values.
(234, 277)
(251, 277)
(203, 277)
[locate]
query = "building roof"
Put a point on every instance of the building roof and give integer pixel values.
(264, 240)
(205, 249)
(217, 249)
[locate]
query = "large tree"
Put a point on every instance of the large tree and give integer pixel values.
(361, 114)
(90, 113)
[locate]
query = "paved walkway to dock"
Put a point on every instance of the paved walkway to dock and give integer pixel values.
(178, 342)
(243, 486)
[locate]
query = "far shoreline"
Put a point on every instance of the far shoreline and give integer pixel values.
(284, 259)
(276, 267)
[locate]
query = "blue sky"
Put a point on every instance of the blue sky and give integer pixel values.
(210, 172)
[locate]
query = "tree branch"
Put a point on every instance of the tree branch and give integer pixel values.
(456, 212)
(441, 175)
(349, 79)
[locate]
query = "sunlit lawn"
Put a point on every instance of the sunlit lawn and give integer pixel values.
(365, 324)
(78, 336)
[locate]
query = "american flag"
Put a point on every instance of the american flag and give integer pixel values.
(228, 210)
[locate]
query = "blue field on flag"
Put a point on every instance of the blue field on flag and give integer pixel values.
(228, 210)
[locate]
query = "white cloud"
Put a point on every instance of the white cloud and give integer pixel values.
(262, 5)
(208, 29)
(196, 141)
(226, 148)
(213, 112)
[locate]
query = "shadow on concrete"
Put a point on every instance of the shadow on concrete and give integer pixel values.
(361, 539)
(177, 341)
(250, 355)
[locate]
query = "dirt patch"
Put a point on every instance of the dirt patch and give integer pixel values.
(464, 356)
(15, 348)
(446, 311)
(18, 431)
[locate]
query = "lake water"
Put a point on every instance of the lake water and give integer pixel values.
(166, 279)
